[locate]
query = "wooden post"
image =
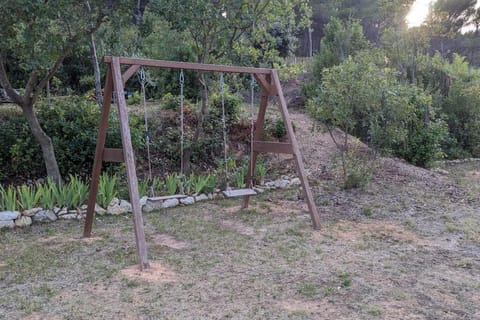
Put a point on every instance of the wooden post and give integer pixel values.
(257, 135)
(97, 163)
(296, 152)
(129, 164)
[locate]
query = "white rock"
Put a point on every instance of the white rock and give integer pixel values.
(270, 184)
(118, 206)
(69, 216)
(23, 221)
(295, 182)
(31, 212)
(281, 183)
(99, 210)
(153, 205)
(143, 201)
(201, 197)
(187, 201)
(60, 211)
(45, 216)
(170, 203)
(7, 224)
(147, 208)
(210, 196)
(9, 215)
(259, 190)
(441, 171)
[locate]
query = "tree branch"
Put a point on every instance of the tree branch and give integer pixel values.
(6, 85)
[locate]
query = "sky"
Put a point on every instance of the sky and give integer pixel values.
(419, 12)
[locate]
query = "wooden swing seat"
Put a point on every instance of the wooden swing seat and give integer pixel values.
(163, 198)
(239, 193)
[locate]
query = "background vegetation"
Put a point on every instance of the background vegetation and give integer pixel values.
(406, 92)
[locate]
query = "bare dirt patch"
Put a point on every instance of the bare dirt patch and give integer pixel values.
(156, 273)
(238, 227)
(169, 241)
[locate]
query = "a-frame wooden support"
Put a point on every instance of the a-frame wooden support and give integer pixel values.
(114, 87)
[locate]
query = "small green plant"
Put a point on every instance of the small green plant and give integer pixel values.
(143, 188)
(240, 177)
(77, 191)
(158, 185)
(8, 198)
(106, 190)
(27, 197)
(61, 194)
(46, 200)
(187, 183)
(200, 183)
(367, 211)
(260, 171)
(328, 291)
(211, 183)
(308, 290)
(171, 183)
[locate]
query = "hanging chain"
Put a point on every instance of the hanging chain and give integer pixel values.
(224, 129)
(252, 125)
(182, 136)
(147, 134)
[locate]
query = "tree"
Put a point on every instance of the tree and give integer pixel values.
(341, 40)
(36, 38)
(219, 28)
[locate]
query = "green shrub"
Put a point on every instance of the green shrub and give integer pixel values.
(279, 131)
(72, 123)
(170, 102)
(135, 98)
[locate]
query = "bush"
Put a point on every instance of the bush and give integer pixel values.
(72, 124)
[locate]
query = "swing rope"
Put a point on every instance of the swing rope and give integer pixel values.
(182, 131)
(252, 129)
(224, 129)
(239, 192)
(147, 134)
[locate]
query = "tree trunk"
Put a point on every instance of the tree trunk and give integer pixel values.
(96, 71)
(199, 129)
(96, 67)
(45, 143)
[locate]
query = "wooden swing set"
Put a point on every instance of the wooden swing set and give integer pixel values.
(114, 87)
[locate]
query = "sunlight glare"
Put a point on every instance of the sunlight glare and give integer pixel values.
(418, 13)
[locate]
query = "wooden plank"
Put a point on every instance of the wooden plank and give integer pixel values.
(257, 134)
(188, 65)
(272, 147)
(163, 198)
(97, 163)
(113, 155)
(239, 193)
(265, 84)
(130, 72)
(296, 151)
(130, 165)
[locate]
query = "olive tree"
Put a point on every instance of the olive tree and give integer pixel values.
(36, 38)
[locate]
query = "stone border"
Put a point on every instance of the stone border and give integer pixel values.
(17, 219)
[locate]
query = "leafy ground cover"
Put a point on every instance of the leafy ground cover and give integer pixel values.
(405, 247)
